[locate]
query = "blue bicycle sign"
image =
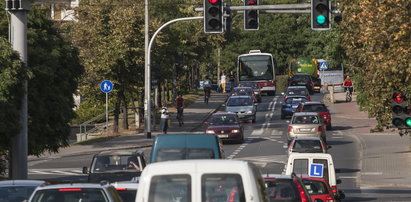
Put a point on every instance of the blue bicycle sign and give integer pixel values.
(106, 86)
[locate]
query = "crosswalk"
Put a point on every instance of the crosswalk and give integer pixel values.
(56, 171)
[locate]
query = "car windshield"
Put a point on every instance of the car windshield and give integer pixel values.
(308, 146)
(70, 194)
(297, 91)
(301, 78)
(295, 100)
(16, 193)
(168, 154)
(114, 163)
(315, 108)
(306, 119)
(315, 187)
(243, 91)
(249, 84)
(223, 120)
(239, 102)
(282, 190)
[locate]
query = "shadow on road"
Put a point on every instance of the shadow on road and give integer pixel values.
(346, 170)
(341, 127)
(338, 142)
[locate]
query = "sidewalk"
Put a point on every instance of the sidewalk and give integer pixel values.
(386, 157)
(194, 115)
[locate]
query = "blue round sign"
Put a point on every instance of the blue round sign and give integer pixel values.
(106, 86)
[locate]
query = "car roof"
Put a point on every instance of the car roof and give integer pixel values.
(276, 176)
(74, 185)
(307, 177)
(243, 87)
(306, 138)
(313, 103)
(224, 114)
(8, 183)
(126, 184)
(240, 96)
(305, 113)
(297, 87)
(296, 96)
(310, 155)
(120, 152)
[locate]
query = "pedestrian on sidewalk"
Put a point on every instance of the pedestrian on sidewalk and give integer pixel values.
(180, 108)
(223, 82)
(164, 123)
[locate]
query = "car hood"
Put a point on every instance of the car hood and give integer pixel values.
(239, 108)
(223, 127)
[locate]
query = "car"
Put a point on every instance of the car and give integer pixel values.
(318, 107)
(115, 165)
(171, 147)
(201, 180)
(285, 188)
(297, 90)
(244, 91)
(18, 190)
(306, 124)
(302, 80)
(226, 126)
(308, 145)
(75, 192)
(289, 105)
(127, 189)
(319, 189)
(243, 106)
(255, 86)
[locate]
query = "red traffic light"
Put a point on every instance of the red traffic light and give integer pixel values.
(398, 97)
(213, 1)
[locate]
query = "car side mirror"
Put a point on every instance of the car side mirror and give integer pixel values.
(339, 181)
(85, 170)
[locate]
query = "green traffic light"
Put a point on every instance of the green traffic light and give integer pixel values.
(321, 19)
(408, 122)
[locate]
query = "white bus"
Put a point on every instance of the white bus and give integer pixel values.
(258, 67)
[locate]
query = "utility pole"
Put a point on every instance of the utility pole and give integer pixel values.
(147, 76)
(19, 148)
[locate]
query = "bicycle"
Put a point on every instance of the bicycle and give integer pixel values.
(206, 95)
(348, 94)
(180, 116)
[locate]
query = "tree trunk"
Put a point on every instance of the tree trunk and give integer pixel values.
(116, 113)
(174, 83)
(125, 112)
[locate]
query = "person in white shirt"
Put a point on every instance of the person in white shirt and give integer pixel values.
(164, 119)
(223, 82)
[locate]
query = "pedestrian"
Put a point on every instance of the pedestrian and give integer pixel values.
(223, 82)
(180, 108)
(164, 120)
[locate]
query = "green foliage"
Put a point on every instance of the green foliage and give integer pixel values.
(282, 83)
(87, 111)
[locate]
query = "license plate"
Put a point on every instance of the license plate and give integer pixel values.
(294, 107)
(223, 136)
(305, 129)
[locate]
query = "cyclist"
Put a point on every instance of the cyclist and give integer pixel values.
(348, 84)
(180, 108)
(207, 89)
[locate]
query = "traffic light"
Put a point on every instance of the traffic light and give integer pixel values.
(320, 14)
(251, 18)
(213, 16)
(401, 111)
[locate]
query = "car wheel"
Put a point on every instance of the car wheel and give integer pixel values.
(329, 127)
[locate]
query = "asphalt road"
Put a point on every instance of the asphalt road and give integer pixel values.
(265, 145)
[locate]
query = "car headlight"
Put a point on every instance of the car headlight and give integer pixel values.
(249, 112)
(235, 131)
(256, 93)
(210, 131)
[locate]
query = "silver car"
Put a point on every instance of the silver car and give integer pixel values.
(302, 144)
(307, 124)
(244, 106)
(18, 190)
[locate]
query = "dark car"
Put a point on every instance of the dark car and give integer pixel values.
(255, 86)
(226, 126)
(244, 91)
(302, 80)
(297, 90)
(319, 108)
(290, 104)
(114, 166)
(285, 188)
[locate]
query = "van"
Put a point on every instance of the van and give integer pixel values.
(202, 180)
(300, 163)
(168, 147)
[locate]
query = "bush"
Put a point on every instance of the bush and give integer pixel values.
(87, 111)
(282, 83)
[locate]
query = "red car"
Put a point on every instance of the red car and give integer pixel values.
(226, 126)
(285, 188)
(318, 188)
(319, 108)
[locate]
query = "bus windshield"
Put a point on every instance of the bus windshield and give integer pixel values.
(255, 67)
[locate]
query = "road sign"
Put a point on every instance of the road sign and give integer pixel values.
(316, 170)
(323, 65)
(106, 86)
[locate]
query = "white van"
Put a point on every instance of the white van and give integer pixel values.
(300, 163)
(201, 181)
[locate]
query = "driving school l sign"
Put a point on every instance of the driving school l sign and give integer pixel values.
(316, 170)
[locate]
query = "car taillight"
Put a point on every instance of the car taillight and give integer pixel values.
(334, 189)
(329, 198)
(121, 189)
(70, 189)
(290, 128)
(301, 191)
(320, 129)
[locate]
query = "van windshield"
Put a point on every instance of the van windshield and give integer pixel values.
(168, 154)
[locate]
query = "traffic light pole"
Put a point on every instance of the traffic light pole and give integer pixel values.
(147, 79)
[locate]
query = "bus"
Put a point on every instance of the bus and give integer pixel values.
(258, 67)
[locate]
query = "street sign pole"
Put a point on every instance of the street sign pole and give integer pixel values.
(106, 86)
(107, 114)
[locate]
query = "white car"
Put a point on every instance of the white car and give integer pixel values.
(303, 144)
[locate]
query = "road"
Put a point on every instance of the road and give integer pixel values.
(265, 146)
